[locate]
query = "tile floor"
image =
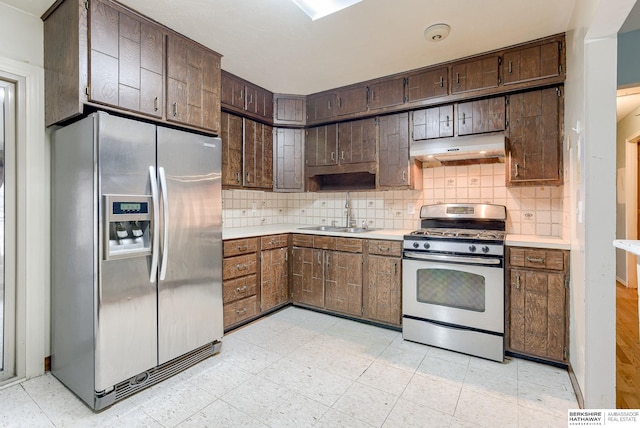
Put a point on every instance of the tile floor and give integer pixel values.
(298, 368)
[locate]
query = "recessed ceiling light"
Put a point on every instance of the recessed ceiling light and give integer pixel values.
(316, 9)
(437, 32)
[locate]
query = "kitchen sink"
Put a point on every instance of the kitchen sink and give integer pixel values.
(320, 228)
(337, 229)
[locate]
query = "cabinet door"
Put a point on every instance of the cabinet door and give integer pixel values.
(383, 290)
(307, 276)
(259, 101)
(321, 145)
(428, 84)
(343, 282)
(231, 134)
(357, 141)
(434, 122)
(321, 106)
(393, 167)
(258, 155)
(537, 313)
(475, 75)
(351, 101)
(534, 146)
(289, 166)
(274, 278)
(477, 117)
(193, 84)
(387, 93)
(289, 110)
(126, 60)
(232, 91)
(531, 63)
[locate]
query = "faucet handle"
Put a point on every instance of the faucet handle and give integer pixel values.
(333, 223)
(365, 224)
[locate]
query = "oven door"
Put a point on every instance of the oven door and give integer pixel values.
(454, 290)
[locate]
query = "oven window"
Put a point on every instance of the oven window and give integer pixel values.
(452, 288)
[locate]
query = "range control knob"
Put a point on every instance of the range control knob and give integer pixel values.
(485, 249)
(426, 245)
(416, 245)
(472, 248)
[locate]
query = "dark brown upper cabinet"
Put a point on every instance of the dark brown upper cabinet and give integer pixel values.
(531, 63)
(127, 54)
(534, 148)
(321, 106)
(193, 84)
(386, 93)
(289, 110)
(475, 75)
(246, 99)
(351, 101)
(357, 141)
(395, 169)
(431, 83)
(258, 155)
(433, 122)
(231, 135)
(481, 116)
(288, 159)
(101, 53)
(321, 145)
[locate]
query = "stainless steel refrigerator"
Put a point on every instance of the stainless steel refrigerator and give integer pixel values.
(136, 254)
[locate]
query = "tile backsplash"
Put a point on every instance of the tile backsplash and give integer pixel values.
(530, 210)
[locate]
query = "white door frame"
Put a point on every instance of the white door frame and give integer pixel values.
(631, 204)
(32, 218)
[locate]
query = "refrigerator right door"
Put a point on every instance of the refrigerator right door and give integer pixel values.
(190, 267)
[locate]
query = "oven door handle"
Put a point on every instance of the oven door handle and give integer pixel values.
(455, 259)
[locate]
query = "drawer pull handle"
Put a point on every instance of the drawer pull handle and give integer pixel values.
(155, 104)
(535, 259)
(241, 267)
(383, 248)
(241, 311)
(245, 248)
(241, 290)
(517, 284)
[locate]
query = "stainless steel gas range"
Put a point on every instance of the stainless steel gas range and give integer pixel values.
(453, 279)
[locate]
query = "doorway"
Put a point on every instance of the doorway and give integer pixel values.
(7, 229)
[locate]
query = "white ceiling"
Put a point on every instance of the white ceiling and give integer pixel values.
(275, 45)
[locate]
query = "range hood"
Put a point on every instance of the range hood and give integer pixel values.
(476, 147)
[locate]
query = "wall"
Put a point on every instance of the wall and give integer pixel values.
(629, 58)
(590, 92)
(530, 210)
(627, 127)
(21, 59)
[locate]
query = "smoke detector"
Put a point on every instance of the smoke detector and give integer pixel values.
(437, 32)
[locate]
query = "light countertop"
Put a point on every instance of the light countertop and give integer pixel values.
(631, 246)
(390, 234)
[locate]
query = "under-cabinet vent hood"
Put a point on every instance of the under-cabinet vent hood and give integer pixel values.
(480, 147)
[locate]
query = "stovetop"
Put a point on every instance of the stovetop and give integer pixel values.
(452, 233)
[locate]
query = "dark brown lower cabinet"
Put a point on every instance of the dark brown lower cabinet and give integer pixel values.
(343, 282)
(239, 280)
(537, 318)
(383, 297)
(274, 278)
(307, 276)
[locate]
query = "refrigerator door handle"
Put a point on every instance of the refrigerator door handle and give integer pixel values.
(156, 224)
(165, 221)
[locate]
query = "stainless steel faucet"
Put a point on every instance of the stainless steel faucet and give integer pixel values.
(348, 208)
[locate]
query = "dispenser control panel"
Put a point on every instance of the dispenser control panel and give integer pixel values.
(128, 225)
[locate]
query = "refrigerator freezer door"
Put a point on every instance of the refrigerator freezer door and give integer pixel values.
(190, 295)
(126, 314)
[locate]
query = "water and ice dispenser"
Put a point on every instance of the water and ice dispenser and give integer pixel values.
(128, 226)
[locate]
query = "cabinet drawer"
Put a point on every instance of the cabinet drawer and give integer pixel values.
(537, 258)
(240, 246)
(350, 245)
(234, 267)
(324, 242)
(273, 241)
(239, 288)
(240, 310)
(300, 240)
(385, 248)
